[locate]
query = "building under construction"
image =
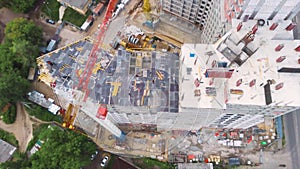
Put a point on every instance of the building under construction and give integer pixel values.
(234, 83)
(134, 86)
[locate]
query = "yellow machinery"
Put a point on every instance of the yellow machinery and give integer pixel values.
(147, 8)
(69, 117)
(159, 75)
(97, 67)
(116, 87)
(139, 49)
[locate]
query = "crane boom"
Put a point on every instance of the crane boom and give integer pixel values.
(84, 77)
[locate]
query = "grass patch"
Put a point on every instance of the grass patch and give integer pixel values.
(36, 132)
(74, 17)
(50, 8)
(8, 137)
(149, 163)
(42, 113)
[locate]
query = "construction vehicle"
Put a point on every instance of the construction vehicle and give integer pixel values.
(69, 117)
(150, 21)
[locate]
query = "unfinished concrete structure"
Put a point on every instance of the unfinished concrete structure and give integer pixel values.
(222, 11)
(195, 11)
(269, 9)
(251, 73)
(134, 86)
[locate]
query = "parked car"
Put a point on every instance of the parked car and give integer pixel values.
(50, 21)
(94, 155)
(104, 161)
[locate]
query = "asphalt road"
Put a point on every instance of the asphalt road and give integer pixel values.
(292, 136)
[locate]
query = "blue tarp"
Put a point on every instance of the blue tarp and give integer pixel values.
(279, 126)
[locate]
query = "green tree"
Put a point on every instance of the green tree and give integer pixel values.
(21, 6)
(13, 87)
(68, 150)
(63, 149)
(9, 116)
(17, 54)
(6, 62)
(23, 29)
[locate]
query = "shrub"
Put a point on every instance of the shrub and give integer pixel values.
(8, 137)
(10, 115)
(42, 113)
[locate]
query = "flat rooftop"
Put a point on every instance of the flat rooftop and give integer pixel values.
(6, 151)
(80, 4)
(237, 70)
(140, 79)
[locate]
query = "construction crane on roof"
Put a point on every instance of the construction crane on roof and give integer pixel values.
(85, 75)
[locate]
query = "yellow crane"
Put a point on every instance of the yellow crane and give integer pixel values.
(147, 9)
(69, 117)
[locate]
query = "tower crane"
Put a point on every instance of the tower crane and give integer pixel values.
(84, 76)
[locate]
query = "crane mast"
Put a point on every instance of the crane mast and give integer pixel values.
(85, 75)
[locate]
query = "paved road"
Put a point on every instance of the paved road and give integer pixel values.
(292, 135)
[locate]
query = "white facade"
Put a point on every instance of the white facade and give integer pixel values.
(220, 15)
(270, 9)
(195, 11)
(253, 61)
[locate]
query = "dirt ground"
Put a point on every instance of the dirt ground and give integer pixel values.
(22, 128)
(5, 16)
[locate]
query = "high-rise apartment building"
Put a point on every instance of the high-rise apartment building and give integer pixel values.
(194, 11)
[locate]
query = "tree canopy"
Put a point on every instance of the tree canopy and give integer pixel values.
(61, 149)
(17, 54)
(23, 29)
(21, 6)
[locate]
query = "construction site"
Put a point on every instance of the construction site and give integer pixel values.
(142, 85)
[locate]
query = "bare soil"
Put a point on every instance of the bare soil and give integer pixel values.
(22, 128)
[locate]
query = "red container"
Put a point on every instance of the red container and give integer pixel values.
(273, 26)
(254, 29)
(279, 47)
(239, 82)
(297, 49)
(238, 28)
(252, 83)
(290, 27)
(280, 59)
(279, 86)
